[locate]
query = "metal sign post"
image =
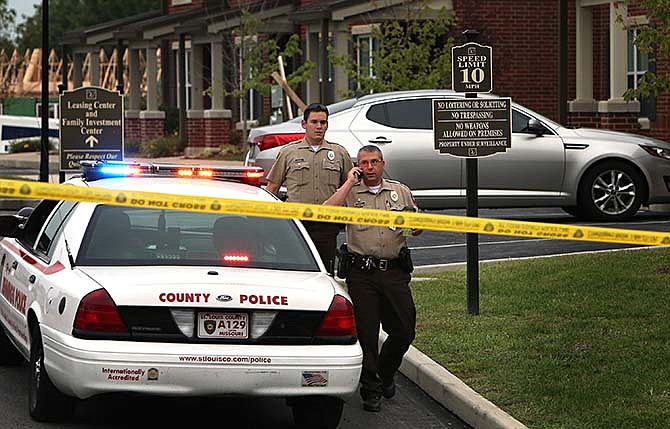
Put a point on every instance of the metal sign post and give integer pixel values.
(470, 128)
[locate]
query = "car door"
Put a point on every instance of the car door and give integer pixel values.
(530, 172)
(403, 129)
(29, 262)
(21, 271)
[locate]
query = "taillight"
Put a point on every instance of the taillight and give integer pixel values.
(268, 141)
(98, 313)
(339, 321)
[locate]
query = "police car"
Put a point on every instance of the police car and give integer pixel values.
(151, 300)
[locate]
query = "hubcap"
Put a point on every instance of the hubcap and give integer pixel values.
(37, 371)
(613, 192)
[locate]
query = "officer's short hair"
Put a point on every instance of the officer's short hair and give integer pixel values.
(315, 107)
(371, 148)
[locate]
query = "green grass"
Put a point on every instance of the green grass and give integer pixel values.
(568, 342)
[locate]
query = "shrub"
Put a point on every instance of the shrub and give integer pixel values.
(28, 145)
(162, 146)
(131, 147)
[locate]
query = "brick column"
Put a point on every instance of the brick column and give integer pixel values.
(195, 131)
(131, 125)
(152, 125)
(217, 124)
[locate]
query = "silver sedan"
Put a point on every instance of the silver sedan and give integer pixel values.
(591, 173)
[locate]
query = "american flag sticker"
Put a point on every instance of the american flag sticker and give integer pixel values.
(314, 378)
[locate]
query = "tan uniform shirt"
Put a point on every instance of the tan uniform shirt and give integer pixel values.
(380, 242)
(311, 177)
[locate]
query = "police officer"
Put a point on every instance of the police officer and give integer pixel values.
(380, 274)
(313, 169)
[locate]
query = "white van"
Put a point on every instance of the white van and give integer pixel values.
(13, 128)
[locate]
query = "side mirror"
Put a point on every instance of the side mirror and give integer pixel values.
(10, 226)
(536, 127)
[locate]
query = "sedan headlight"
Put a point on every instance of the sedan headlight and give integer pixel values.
(657, 151)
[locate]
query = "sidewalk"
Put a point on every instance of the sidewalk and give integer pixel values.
(432, 378)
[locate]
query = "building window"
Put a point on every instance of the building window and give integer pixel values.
(252, 98)
(638, 65)
(364, 48)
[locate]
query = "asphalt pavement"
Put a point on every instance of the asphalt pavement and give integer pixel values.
(432, 378)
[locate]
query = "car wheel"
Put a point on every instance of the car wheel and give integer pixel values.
(323, 412)
(46, 403)
(610, 191)
(571, 210)
(9, 355)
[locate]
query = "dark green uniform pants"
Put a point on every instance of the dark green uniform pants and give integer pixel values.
(382, 296)
(324, 236)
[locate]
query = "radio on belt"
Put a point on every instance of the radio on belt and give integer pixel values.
(96, 170)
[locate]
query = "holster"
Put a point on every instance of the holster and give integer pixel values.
(345, 260)
(405, 260)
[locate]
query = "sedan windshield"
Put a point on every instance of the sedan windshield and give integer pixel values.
(137, 236)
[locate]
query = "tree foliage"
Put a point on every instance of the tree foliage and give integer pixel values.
(653, 39)
(7, 17)
(412, 52)
(67, 15)
(260, 57)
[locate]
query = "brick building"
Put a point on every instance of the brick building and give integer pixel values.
(574, 73)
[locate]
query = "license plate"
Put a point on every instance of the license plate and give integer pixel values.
(223, 325)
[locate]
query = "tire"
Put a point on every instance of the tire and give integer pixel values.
(9, 355)
(611, 191)
(571, 210)
(45, 402)
(323, 412)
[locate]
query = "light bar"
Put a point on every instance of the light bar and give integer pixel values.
(95, 170)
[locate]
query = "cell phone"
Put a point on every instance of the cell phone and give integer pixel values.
(357, 175)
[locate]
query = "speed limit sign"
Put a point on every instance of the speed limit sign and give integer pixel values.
(471, 69)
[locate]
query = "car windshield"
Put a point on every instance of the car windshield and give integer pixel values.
(119, 236)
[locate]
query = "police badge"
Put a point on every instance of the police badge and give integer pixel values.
(331, 155)
(210, 326)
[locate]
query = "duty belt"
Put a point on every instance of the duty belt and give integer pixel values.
(366, 262)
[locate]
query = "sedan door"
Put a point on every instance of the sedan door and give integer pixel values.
(403, 129)
(529, 173)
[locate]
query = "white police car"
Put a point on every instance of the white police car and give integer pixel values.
(105, 299)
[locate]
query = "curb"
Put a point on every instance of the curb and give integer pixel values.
(452, 393)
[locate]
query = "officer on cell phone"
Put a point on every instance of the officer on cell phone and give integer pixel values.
(377, 265)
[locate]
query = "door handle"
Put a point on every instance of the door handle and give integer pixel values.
(14, 265)
(32, 278)
(380, 140)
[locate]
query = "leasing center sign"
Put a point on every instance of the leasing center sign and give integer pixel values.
(91, 126)
(472, 127)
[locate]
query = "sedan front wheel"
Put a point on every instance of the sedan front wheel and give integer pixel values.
(611, 191)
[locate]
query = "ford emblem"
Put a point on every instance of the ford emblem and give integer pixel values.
(224, 298)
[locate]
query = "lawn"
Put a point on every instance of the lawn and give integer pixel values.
(568, 342)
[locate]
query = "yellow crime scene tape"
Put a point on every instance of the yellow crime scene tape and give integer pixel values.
(312, 212)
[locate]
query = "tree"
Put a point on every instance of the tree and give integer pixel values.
(7, 17)
(653, 39)
(411, 52)
(256, 57)
(67, 15)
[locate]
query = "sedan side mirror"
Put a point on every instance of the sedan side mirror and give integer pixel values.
(536, 127)
(11, 226)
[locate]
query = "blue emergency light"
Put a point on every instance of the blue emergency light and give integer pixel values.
(96, 170)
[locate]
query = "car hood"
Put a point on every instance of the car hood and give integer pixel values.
(615, 136)
(253, 289)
